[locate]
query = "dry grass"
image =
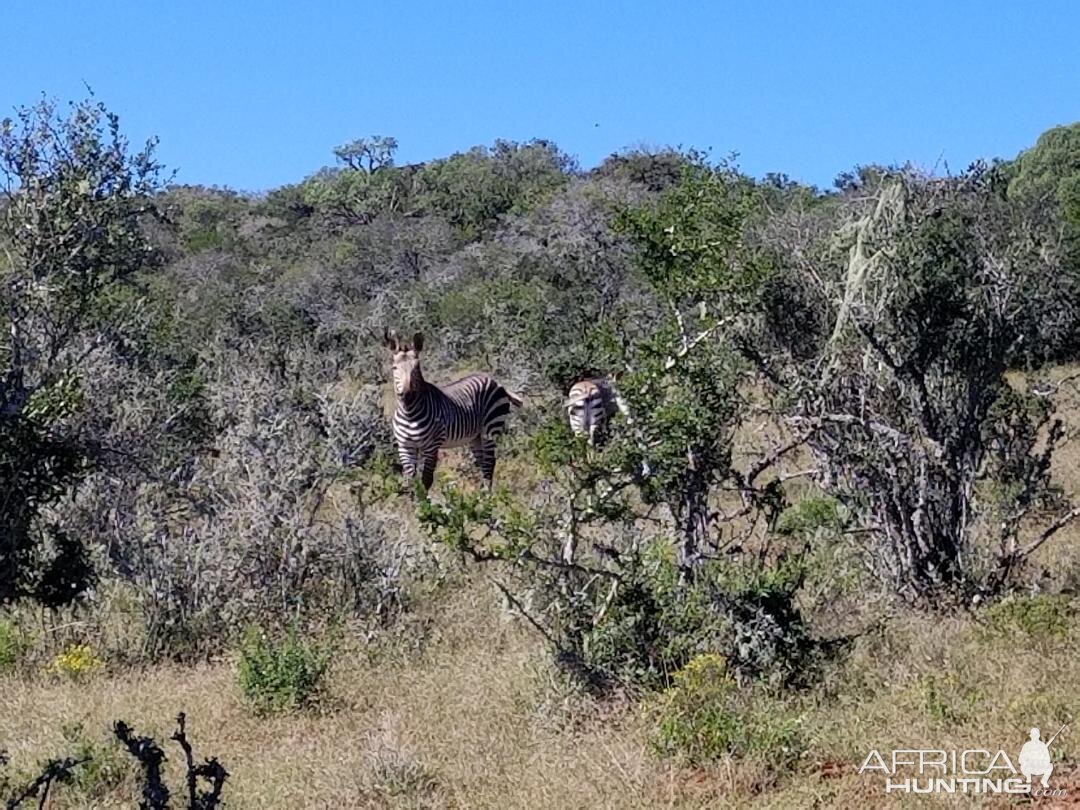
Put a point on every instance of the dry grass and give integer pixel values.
(475, 719)
(461, 724)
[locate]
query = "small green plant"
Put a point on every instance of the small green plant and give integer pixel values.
(814, 512)
(13, 645)
(938, 706)
(76, 661)
(705, 718)
(1043, 616)
(277, 676)
(947, 698)
(104, 768)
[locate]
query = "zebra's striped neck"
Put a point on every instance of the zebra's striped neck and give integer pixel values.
(418, 397)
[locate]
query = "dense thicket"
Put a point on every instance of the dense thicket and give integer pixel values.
(192, 399)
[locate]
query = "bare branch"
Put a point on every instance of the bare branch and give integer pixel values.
(1049, 532)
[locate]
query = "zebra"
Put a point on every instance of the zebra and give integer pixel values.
(590, 403)
(471, 411)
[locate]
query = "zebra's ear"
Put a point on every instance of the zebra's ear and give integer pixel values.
(417, 342)
(390, 340)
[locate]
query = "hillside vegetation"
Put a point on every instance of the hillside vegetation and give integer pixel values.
(838, 513)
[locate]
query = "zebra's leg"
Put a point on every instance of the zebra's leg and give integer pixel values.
(410, 458)
(483, 450)
(430, 460)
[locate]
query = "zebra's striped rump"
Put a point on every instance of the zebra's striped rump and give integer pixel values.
(590, 404)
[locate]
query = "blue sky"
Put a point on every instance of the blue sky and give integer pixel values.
(252, 95)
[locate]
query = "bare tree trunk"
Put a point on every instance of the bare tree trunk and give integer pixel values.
(692, 521)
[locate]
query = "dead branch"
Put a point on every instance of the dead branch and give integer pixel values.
(54, 770)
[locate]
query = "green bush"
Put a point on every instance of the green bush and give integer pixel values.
(281, 675)
(644, 622)
(705, 718)
(766, 634)
(1038, 617)
(13, 645)
(655, 625)
(650, 628)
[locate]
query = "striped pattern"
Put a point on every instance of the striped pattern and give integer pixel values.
(589, 405)
(472, 411)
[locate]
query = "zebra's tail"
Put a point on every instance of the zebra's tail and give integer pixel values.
(515, 400)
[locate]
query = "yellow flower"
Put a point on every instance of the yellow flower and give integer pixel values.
(75, 661)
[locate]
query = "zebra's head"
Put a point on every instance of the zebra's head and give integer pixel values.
(406, 360)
